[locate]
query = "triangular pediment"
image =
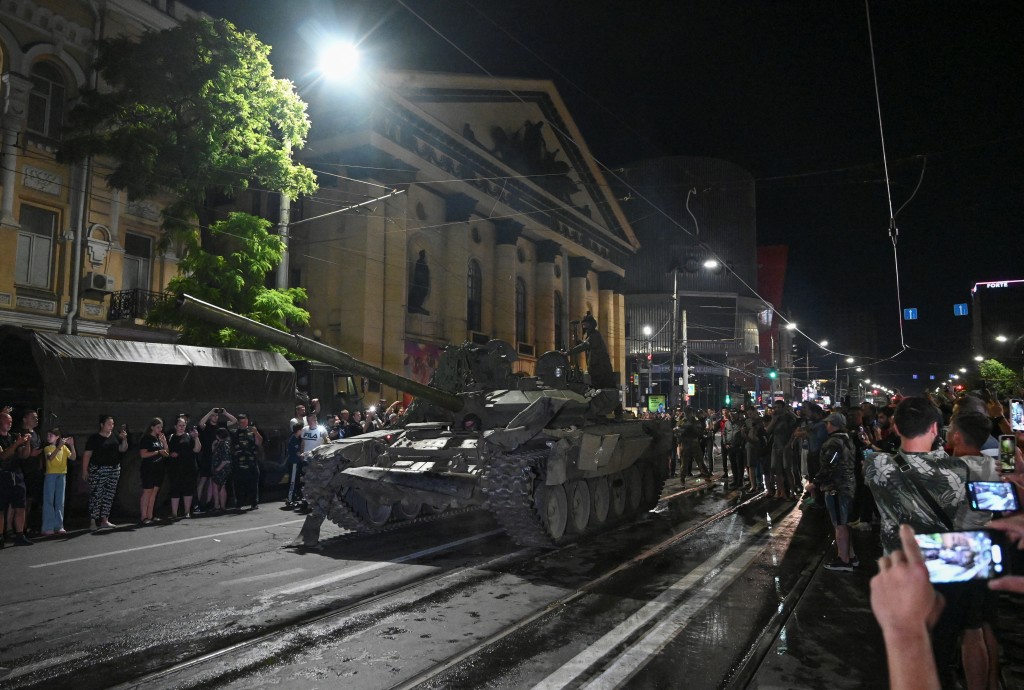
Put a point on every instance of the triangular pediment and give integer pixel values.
(522, 129)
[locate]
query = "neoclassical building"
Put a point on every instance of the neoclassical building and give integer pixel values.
(455, 208)
(71, 249)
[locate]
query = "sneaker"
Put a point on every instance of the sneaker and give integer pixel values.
(22, 540)
(93, 526)
(862, 526)
(107, 524)
(62, 531)
(254, 507)
(841, 565)
(855, 524)
(198, 511)
(855, 562)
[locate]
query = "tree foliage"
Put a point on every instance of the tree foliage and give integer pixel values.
(1001, 379)
(190, 111)
(233, 281)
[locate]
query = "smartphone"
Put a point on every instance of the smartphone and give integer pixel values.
(963, 556)
(997, 496)
(1007, 448)
(1017, 415)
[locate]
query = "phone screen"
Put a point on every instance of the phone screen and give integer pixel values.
(1007, 446)
(961, 556)
(1017, 415)
(998, 496)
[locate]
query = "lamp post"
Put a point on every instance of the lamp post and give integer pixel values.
(650, 364)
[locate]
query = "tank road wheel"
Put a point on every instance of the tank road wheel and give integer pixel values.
(634, 491)
(407, 512)
(600, 500)
(369, 509)
(578, 494)
(617, 488)
(553, 509)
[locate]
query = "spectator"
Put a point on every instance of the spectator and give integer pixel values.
(221, 468)
(349, 426)
(732, 446)
(781, 428)
(293, 463)
(926, 489)
(57, 451)
(152, 451)
(837, 483)
(214, 420)
(979, 649)
(31, 458)
(753, 436)
(12, 481)
(300, 412)
(689, 434)
(184, 447)
(906, 607)
(245, 442)
(101, 467)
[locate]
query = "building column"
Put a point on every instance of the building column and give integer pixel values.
(544, 301)
(608, 318)
(15, 108)
(503, 314)
(579, 267)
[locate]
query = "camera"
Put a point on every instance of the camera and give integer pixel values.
(1007, 451)
(963, 556)
(995, 496)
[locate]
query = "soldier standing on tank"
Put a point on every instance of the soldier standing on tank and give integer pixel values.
(599, 363)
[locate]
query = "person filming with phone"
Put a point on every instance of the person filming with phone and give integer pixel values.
(922, 486)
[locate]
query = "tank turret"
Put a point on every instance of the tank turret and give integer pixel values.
(539, 452)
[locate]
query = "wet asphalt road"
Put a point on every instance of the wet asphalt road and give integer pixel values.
(672, 600)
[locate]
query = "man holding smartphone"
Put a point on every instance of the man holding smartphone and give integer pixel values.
(925, 488)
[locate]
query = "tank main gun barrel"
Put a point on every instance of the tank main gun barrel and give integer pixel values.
(314, 350)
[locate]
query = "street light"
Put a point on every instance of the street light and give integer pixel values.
(790, 326)
(339, 60)
(711, 264)
(823, 343)
(650, 362)
(849, 360)
(963, 370)
(979, 358)
(1002, 338)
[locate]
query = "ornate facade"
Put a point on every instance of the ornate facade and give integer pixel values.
(480, 214)
(70, 247)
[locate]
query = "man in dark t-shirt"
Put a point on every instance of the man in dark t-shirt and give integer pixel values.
(12, 481)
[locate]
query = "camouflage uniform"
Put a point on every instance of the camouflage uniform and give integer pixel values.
(942, 476)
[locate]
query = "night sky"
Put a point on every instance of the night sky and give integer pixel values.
(783, 89)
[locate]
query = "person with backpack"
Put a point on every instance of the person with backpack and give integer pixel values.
(837, 482)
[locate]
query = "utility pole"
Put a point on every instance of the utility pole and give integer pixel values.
(686, 367)
(673, 397)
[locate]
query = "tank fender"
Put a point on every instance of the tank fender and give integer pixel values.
(527, 423)
(562, 455)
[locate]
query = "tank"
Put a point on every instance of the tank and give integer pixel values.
(542, 453)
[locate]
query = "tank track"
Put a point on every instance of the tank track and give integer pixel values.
(508, 483)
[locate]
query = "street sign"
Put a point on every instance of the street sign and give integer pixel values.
(909, 314)
(691, 389)
(960, 309)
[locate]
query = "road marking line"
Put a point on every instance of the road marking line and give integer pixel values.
(579, 664)
(166, 543)
(353, 572)
(267, 576)
(637, 656)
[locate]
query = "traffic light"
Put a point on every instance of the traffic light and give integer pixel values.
(773, 373)
(649, 356)
(728, 400)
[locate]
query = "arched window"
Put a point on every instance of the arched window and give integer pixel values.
(520, 311)
(559, 322)
(474, 297)
(46, 101)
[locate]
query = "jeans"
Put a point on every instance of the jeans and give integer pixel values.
(53, 502)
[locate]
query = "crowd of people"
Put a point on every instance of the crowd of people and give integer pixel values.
(902, 469)
(207, 466)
